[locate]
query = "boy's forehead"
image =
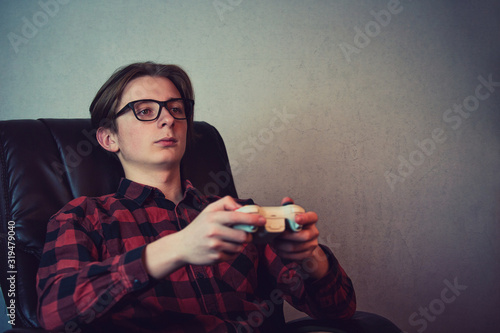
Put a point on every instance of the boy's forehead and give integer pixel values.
(148, 87)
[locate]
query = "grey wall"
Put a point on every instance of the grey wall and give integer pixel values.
(382, 124)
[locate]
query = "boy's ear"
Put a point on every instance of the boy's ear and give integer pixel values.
(107, 139)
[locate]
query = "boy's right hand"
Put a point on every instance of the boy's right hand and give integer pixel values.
(210, 238)
(207, 240)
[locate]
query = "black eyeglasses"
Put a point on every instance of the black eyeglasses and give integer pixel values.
(150, 110)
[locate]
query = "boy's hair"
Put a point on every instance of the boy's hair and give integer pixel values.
(105, 103)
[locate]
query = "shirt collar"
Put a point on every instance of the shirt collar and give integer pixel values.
(139, 192)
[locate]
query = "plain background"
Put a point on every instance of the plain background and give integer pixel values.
(358, 115)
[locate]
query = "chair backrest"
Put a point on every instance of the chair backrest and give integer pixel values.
(46, 163)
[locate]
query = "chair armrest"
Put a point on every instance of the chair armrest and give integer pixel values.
(308, 324)
(361, 322)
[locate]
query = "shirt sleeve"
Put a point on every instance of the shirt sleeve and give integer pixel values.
(331, 297)
(75, 285)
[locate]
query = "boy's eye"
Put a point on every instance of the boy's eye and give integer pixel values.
(146, 109)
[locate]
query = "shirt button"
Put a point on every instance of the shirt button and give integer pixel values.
(137, 283)
(200, 275)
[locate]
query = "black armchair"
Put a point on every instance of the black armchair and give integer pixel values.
(46, 163)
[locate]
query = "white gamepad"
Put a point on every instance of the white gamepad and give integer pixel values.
(277, 219)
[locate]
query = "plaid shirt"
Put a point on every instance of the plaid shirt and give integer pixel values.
(91, 273)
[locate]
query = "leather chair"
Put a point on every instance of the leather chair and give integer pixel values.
(45, 163)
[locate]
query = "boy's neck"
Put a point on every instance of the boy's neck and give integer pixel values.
(167, 181)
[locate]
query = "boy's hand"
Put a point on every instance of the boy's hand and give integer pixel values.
(208, 239)
(298, 246)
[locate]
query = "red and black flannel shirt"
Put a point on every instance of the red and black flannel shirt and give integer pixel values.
(91, 273)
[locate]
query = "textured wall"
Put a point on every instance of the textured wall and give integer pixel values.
(381, 116)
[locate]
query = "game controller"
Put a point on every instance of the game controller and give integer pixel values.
(278, 219)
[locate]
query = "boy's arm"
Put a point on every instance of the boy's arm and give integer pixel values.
(72, 282)
(330, 297)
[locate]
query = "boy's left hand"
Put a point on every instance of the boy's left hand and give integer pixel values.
(298, 246)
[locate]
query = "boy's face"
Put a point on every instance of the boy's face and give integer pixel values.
(144, 144)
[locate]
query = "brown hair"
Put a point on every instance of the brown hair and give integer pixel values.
(105, 103)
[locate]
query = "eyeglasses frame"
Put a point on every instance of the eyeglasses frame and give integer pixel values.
(130, 105)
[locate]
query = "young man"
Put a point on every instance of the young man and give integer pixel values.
(157, 255)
